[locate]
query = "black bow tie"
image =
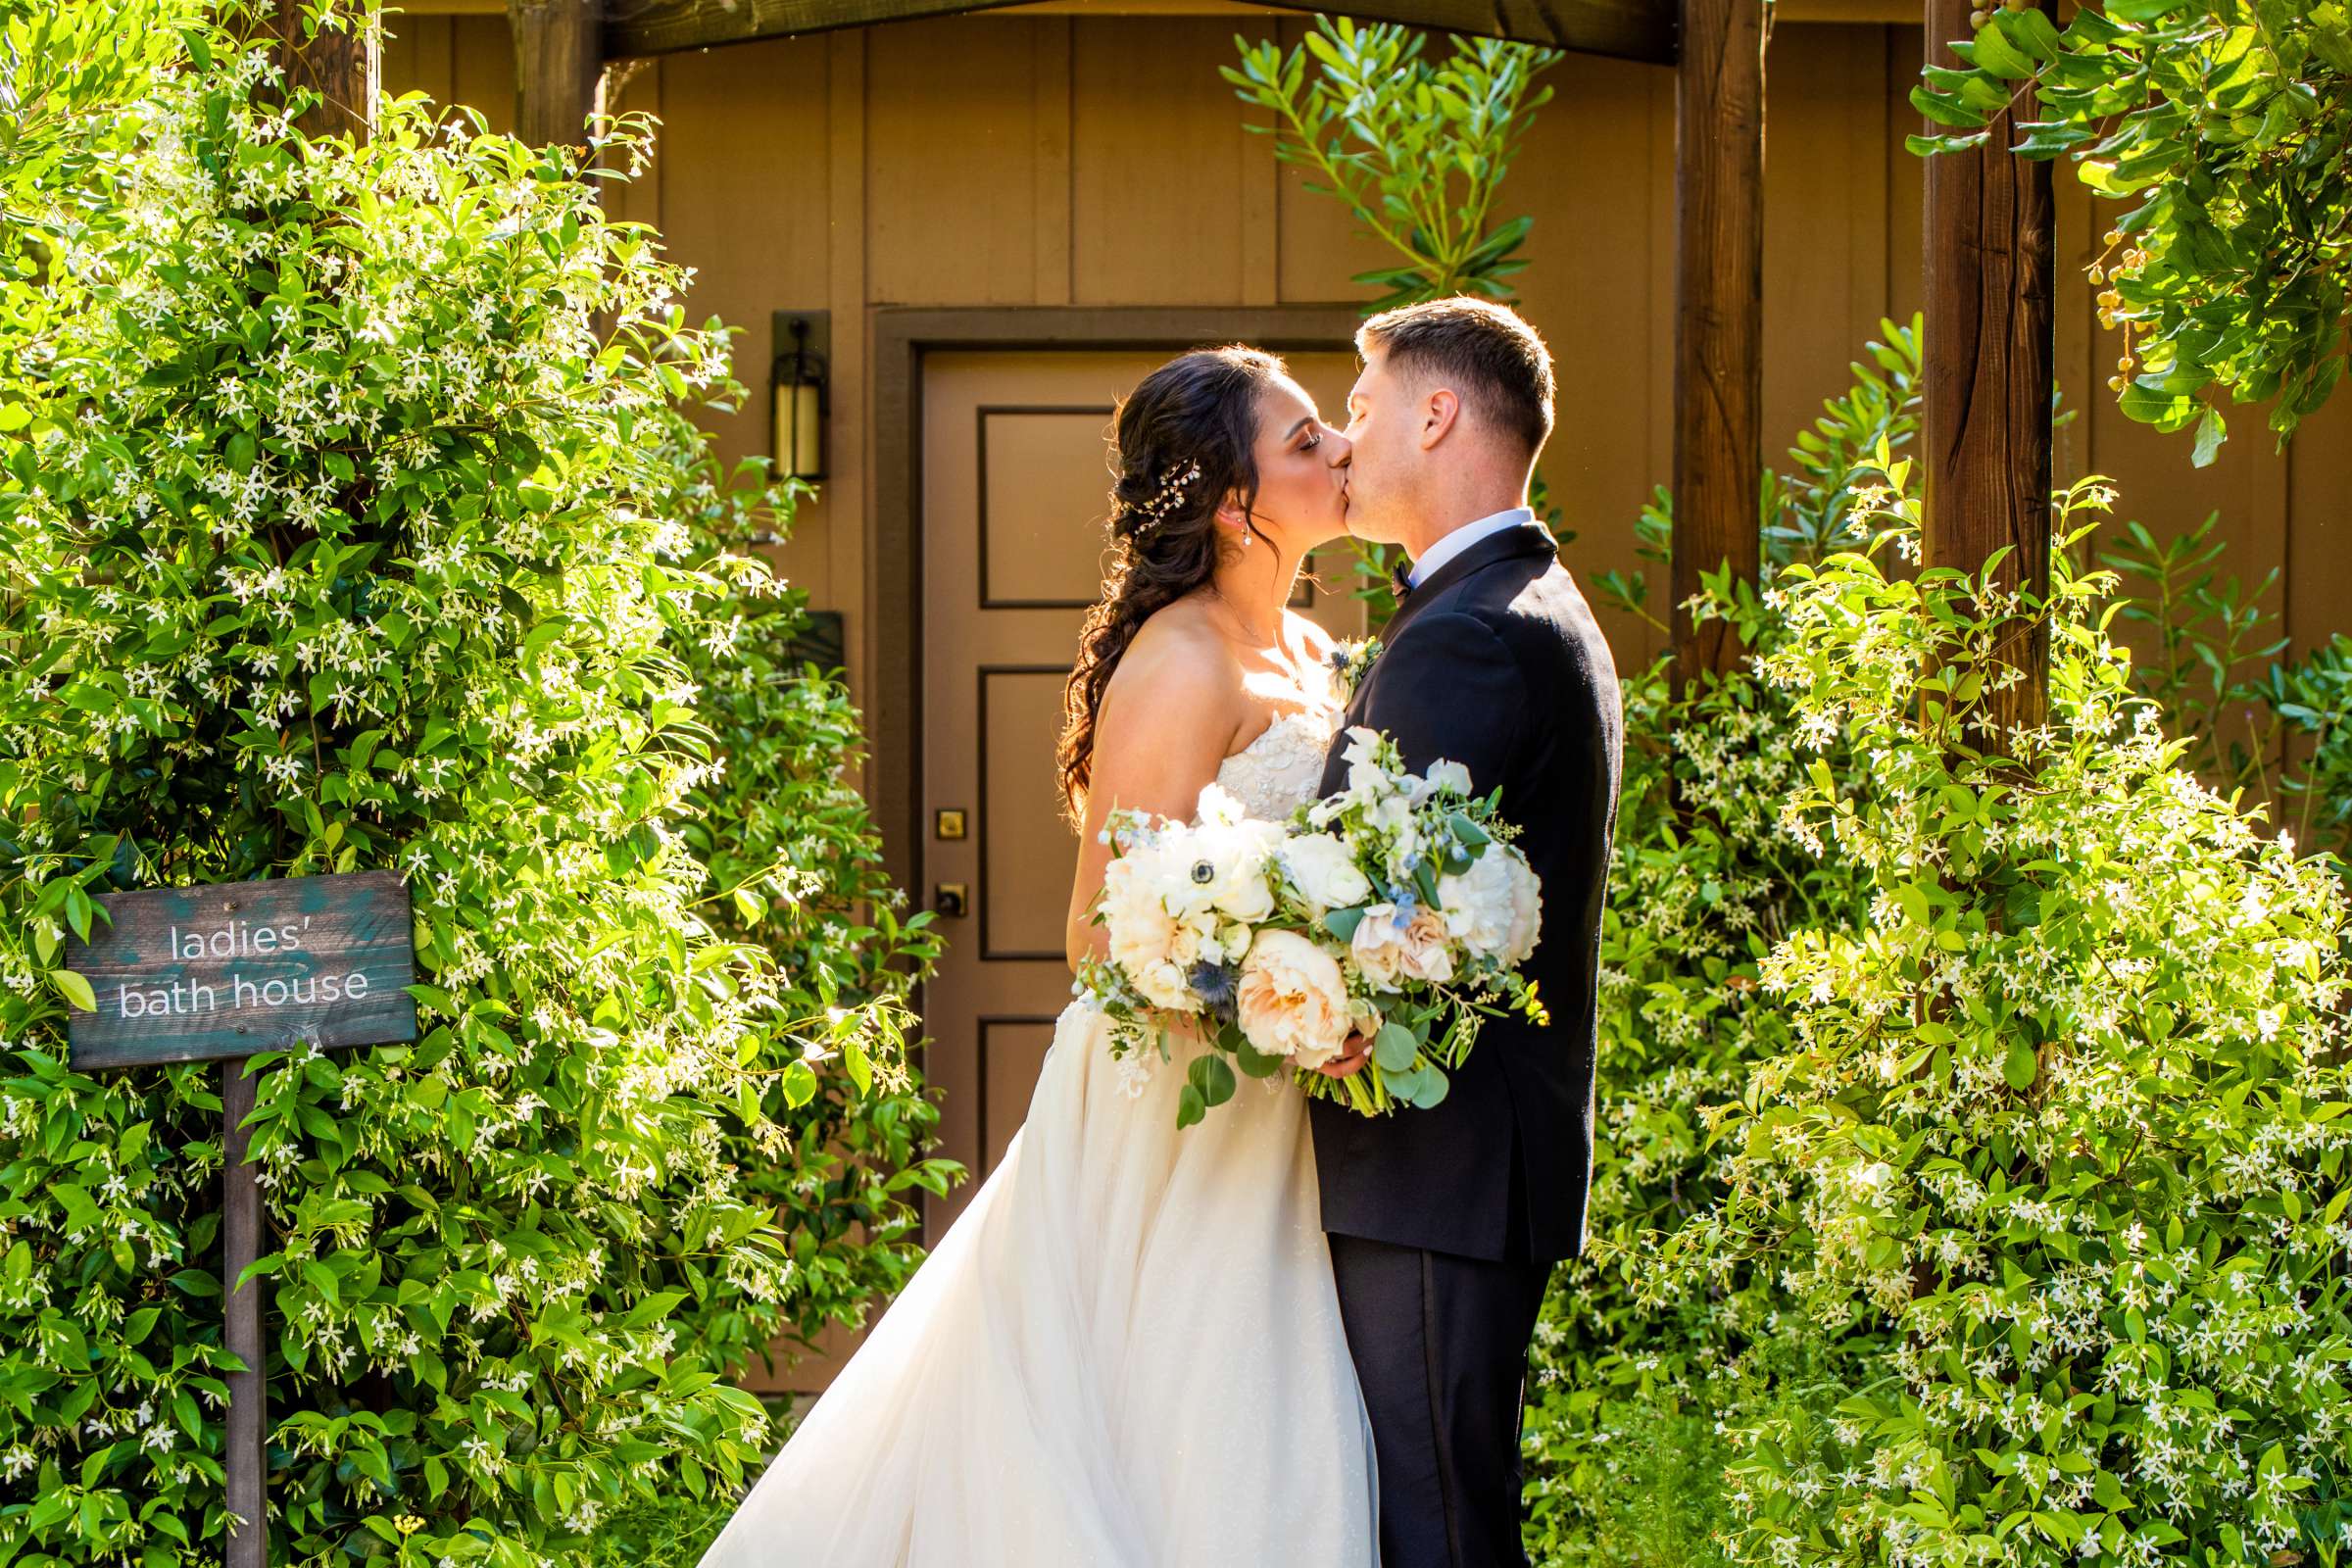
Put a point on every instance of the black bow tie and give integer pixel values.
(1400, 577)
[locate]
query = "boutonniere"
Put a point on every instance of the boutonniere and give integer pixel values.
(1351, 660)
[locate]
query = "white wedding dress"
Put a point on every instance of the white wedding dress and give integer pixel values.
(1127, 1351)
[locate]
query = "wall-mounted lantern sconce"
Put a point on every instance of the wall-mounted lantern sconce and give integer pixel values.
(798, 398)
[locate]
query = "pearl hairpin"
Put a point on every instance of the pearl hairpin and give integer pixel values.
(1166, 500)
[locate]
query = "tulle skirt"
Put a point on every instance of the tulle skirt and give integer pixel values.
(1126, 1353)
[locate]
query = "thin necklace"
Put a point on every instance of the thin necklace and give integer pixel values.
(1267, 640)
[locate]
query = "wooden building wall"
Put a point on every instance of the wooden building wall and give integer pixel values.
(1021, 159)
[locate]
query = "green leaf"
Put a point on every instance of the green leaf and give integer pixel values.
(1996, 53)
(1341, 923)
(1929, 146)
(1253, 1061)
(2031, 30)
(2021, 1065)
(1394, 1048)
(74, 988)
(1212, 1076)
(2210, 433)
(1945, 109)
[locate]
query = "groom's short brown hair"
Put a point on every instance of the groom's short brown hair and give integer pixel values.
(1486, 353)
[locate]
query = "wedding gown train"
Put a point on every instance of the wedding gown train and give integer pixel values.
(1126, 1353)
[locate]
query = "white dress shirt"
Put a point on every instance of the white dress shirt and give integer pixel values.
(1462, 538)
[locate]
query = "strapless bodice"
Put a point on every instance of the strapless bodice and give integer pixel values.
(1282, 769)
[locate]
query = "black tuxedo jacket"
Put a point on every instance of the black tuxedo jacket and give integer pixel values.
(1495, 662)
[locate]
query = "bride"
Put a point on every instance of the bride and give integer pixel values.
(1127, 1352)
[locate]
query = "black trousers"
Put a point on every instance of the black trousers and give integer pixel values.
(1440, 1343)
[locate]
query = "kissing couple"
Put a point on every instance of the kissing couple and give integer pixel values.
(1289, 1336)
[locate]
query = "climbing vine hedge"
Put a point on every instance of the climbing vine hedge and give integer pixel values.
(348, 520)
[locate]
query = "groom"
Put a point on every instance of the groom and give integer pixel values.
(1444, 1223)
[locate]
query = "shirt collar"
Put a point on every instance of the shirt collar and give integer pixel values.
(1462, 538)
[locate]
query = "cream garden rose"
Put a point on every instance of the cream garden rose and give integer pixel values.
(1144, 931)
(1496, 908)
(1292, 998)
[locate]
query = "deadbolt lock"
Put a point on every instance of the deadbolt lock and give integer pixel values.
(948, 822)
(953, 900)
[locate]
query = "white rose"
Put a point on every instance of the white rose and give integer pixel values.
(1144, 935)
(1292, 998)
(1497, 906)
(1166, 986)
(1389, 950)
(1324, 872)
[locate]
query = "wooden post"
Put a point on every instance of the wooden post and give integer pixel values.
(345, 67)
(1989, 352)
(1719, 314)
(248, 1412)
(559, 56)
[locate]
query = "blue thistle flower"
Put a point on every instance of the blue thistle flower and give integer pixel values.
(1215, 985)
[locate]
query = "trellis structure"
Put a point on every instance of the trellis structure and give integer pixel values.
(1988, 246)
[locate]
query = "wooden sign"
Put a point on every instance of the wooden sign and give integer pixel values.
(230, 969)
(223, 971)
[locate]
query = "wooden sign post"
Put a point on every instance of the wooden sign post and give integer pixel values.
(223, 973)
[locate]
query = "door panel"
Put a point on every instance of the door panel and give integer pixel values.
(1026, 850)
(1015, 486)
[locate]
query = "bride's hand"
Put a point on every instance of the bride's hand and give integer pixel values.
(1351, 1060)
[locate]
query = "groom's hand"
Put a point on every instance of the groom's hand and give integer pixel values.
(1351, 1060)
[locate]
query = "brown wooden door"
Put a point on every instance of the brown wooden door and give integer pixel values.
(1015, 488)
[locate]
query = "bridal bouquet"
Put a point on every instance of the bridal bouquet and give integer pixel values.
(1394, 909)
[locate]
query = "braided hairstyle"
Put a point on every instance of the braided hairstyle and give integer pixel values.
(1198, 409)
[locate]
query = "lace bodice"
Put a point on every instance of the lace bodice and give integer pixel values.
(1281, 770)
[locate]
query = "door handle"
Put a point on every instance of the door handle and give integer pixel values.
(952, 900)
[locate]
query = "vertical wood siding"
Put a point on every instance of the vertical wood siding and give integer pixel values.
(993, 160)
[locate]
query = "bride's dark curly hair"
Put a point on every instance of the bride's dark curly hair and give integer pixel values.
(1200, 408)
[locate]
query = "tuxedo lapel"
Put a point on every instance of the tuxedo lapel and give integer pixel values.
(1528, 538)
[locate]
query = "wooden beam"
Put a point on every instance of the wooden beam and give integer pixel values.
(1989, 349)
(344, 68)
(1632, 30)
(669, 26)
(558, 55)
(1626, 29)
(1901, 12)
(1719, 315)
